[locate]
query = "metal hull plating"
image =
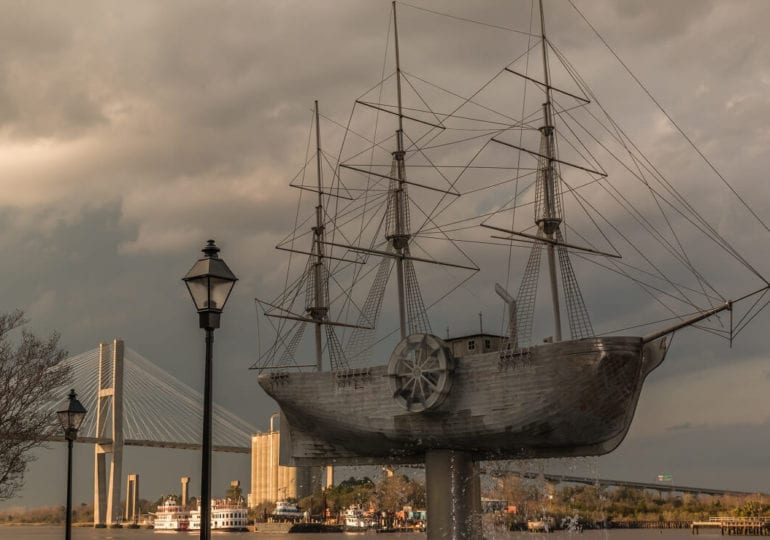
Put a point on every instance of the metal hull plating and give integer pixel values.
(571, 398)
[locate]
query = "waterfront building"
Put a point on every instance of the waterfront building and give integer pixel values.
(271, 482)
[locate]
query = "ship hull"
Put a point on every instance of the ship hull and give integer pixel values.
(563, 399)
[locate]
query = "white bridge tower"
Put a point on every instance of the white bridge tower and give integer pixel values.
(109, 434)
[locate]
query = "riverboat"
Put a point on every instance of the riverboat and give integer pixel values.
(225, 516)
(171, 516)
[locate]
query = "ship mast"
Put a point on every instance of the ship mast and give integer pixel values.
(550, 220)
(400, 238)
(319, 311)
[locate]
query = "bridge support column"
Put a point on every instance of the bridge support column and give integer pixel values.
(453, 487)
(185, 488)
(109, 392)
(131, 515)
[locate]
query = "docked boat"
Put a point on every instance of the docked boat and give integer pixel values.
(287, 511)
(225, 516)
(499, 396)
(171, 516)
(544, 524)
(354, 520)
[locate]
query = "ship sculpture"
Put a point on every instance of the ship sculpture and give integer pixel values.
(513, 398)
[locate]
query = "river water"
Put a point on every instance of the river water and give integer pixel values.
(87, 533)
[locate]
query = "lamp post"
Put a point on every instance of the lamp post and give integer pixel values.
(210, 283)
(70, 417)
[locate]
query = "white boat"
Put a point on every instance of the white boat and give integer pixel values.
(172, 516)
(225, 516)
(355, 520)
(287, 511)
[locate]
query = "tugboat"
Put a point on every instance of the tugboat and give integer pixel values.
(287, 511)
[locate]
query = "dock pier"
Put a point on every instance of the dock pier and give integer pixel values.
(735, 526)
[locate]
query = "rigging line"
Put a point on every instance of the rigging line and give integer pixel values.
(269, 359)
(596, 164)
(429, 136)
(723, 334)
(299, 202)
(739, 330)
(473, 218)
(297, 292)
(357, 272)
(715, 236)
(637, 215)
(759, 299)
(431, 111)
(396, 330)
(259, 335)
(466, 100)
(446, 116)
(649, 166)
(642, 325)
(429, 258)
(472, 167)
(466, 139)
(502, 183)
(655, 233)
(354, 217)
(628, 240)
(645, 287)
(340, 186)
(383, 79)
(469, 99)
(710, 298)
(495, 26)
(345, 292)
(441, 174)
(686, 259)
(699, 227)
(683, 257)
(679, 129)
(444, 197)
(379, 145)
(288, 348)
(350, 210)
(517, 243)
(505, 207)
(347, 129)
(509, 264)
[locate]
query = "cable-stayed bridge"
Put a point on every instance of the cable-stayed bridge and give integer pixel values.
(133, 402)
(157, 409)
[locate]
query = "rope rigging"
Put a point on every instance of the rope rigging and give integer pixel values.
(372, 221)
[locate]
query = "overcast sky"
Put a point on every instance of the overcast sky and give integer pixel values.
(131, 132)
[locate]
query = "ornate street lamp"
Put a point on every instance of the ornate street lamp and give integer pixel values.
(71, 417)
(210, 283)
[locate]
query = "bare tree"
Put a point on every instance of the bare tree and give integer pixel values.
(30, 370)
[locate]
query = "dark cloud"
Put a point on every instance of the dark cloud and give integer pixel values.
(132, 132)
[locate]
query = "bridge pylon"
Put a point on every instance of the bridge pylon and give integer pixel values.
(109, 413)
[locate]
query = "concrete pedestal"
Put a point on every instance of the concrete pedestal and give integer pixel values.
(454, 496)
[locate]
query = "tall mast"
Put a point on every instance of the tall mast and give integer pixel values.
(319, 311)
(551, 219)
(400, 240)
